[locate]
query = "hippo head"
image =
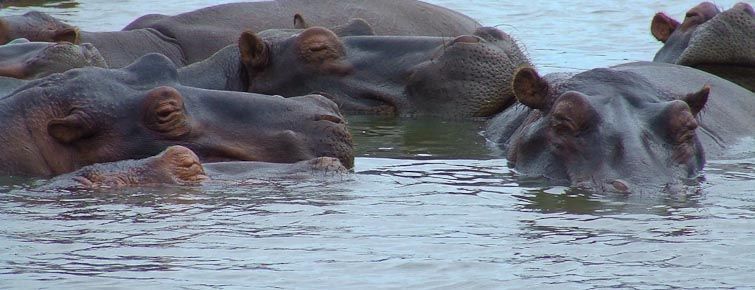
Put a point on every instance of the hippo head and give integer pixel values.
(29, 60)
(94, 115)
(395, 75)
(36, 26)
(615, 136)
(707, 36)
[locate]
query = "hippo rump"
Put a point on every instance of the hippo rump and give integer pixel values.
(465, 76)
(92, 115)
(193, 36)
(23, 59)
(722, 43)
(630, 127)
(178, 165)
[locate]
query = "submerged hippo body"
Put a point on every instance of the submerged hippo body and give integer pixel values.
(65, 121)
(178, 165)
(207, 30)
(628, 128)
(29, 60)
(722, 43)
(193, 36)
(394, 75)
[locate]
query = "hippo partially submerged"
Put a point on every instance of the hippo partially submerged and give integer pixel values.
(91, 115)
(722, 43)
(178, 165)
(465, 76)
(193, 36)
(23, 59)
(626, 128)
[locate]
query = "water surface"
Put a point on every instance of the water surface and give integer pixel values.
(430, 205)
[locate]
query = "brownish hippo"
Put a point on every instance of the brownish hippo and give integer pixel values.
(193, 36)
(465, 76)
(722, 43)
(22, 59)
(63, 122)
(629, 128)
(178, 165)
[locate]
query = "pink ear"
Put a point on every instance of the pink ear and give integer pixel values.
(530, 89)
(663, 26)
(253, 50)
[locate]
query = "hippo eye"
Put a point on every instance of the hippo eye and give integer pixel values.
(563, 126)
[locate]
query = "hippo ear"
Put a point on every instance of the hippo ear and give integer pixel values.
(299, 22)
(66, 34)
(696, 101)
(70, 128)
(254, 51)
(530, 89)
(355, 27)
(663, 26)
(164, 112)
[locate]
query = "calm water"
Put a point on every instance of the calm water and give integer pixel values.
(430, 206)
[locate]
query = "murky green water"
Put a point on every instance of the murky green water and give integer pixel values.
(430, 206)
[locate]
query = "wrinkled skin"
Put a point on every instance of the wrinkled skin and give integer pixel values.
(628, 128)
(178, 165)
(36, 26)
(466, 76)
(30, 60)
(91, 115)
(722, 43)
(202, 32)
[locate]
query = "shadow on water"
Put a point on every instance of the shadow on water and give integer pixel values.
(61, 4)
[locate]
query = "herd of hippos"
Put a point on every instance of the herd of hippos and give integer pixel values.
(235, 89)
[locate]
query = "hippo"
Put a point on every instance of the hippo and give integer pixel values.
(63, 122)
(465, 76)
(207, 30)
(23, 59)
(179, 165)
(722, 43)
(193, 36)
(626, 128)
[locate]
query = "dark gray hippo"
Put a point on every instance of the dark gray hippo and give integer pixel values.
(722, 43)
(62, 122)
(193, 36)
(633, 127)
(207, 30)
(22, 59)
(465, 76)
(178, 165)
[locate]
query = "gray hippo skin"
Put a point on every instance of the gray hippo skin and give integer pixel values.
(631, 127)
(722, 43)
(22, 59)
(193, 36)
(178, 165)
(207, 30)
(466, 76)
(92, 115)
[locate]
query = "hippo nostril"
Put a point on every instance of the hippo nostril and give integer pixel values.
(331, 118)
(466, 39)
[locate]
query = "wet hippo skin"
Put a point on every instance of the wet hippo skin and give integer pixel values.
(62, 122)
(633, 127)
